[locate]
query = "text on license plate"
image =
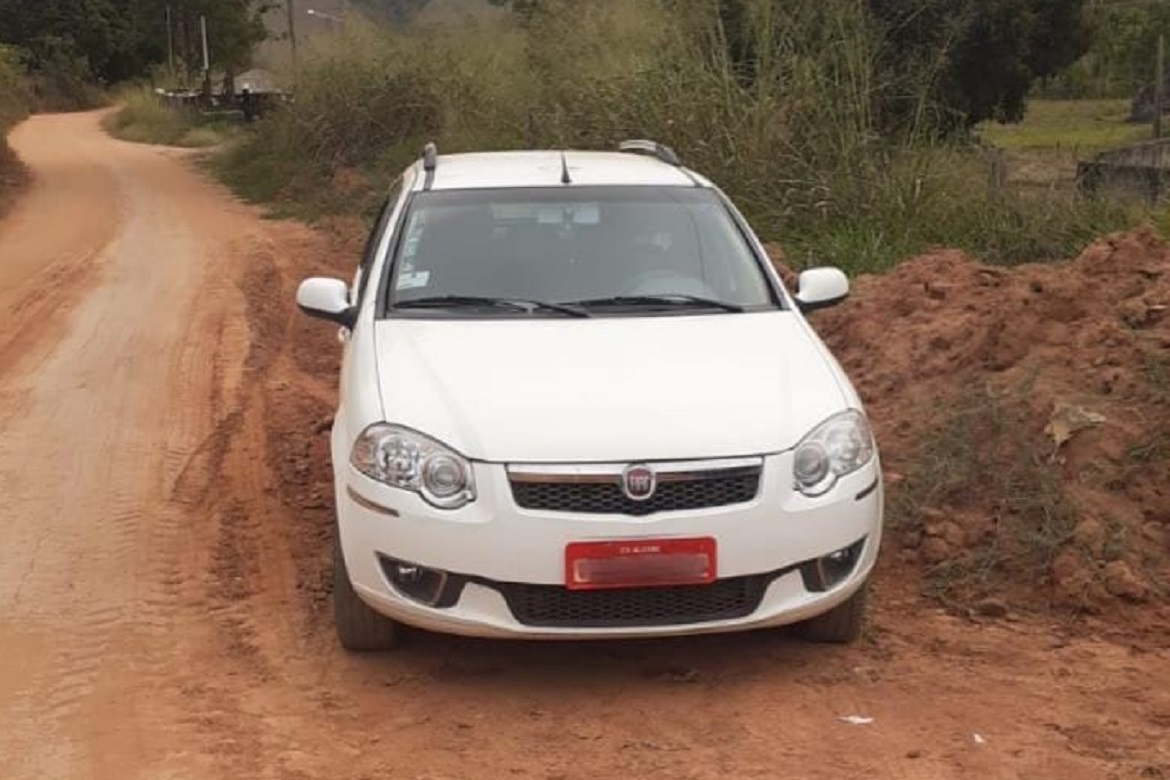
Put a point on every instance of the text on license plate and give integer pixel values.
(632, 563)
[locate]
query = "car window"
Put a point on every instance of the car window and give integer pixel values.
(573, 244)
(373, 240)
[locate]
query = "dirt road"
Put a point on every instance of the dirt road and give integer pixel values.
(163, 561)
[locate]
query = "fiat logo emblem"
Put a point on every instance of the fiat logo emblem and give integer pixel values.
(638, 482)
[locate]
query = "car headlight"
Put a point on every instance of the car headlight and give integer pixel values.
(406, 459)
(840, 445)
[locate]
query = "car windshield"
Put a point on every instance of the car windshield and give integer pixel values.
(600, 250)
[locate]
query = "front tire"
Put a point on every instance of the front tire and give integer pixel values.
(359, 628)
(840, 625)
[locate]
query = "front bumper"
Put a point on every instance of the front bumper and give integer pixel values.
(501, 567)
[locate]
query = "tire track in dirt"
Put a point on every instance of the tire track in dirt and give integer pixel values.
(51, 260)
(213, 482)
(48, 299)
(117, 581)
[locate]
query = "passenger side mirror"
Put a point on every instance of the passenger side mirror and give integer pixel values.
(819, 288)
(326, 299)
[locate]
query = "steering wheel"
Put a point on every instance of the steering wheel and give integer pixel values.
(666, 283)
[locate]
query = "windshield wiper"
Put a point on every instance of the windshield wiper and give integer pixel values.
(672, 299)
(515, 304)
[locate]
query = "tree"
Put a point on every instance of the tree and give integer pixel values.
(1122, 56)
(976, 60)
(967, 60)
(113, 40)
(234, 27)
(67, 46)
(108, 37)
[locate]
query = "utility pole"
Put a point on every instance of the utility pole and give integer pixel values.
(203, 34)
(170, 46)
(1160, 87)
(292, 37)
(206, 61)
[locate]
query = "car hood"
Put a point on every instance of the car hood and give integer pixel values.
(607, 389)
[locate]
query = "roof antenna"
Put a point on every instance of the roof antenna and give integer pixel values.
(565, 178)
(430, 162)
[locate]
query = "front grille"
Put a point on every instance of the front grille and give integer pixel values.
(552, 606)
(607, 497)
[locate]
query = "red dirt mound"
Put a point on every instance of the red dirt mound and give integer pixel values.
(1024, 420)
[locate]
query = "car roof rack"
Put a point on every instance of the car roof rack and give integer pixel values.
(651, 149)
(430, 158)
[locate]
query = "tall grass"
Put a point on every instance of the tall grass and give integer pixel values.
(143, 119)
(793, 141)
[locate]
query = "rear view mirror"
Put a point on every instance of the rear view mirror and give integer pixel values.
(326, 299)
(819, 288)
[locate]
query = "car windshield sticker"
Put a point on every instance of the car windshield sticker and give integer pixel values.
(413, 281)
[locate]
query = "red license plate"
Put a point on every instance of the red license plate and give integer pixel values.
(634, 563)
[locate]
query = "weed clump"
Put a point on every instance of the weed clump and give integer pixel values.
(983, 449)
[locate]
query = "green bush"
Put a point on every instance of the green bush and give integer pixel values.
(796, 147)
(14, 103)
(62, 80)
(1123, 53)
(14, 95)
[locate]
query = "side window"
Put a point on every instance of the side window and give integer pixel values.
(374, 239)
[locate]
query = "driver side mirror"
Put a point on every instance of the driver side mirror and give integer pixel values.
(326, 299)
(820, 288)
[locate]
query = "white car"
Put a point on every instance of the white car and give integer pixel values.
(576, 401)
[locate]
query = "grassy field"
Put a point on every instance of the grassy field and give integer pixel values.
(1041, 153)
(1085, 126)
(142, 119)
